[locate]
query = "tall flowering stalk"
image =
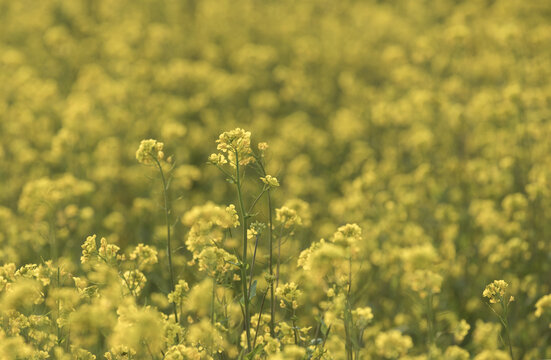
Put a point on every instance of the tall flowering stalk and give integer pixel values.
(235, 147)
(495, 292)
(235, 150)
(151, 152)
(269, 182)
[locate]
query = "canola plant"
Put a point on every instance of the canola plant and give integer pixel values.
(246, 179)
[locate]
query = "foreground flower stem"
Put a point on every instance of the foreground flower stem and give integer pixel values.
(348, 321)
(271, 246)
(504, 319)
(212, 313)
(505, 323)
(167, 219)
(244, 264)
(430, 323)
(272, 297)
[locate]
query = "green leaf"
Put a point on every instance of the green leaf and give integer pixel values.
(257, 350)
(252, 290)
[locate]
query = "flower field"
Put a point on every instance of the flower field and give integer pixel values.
(246, 179)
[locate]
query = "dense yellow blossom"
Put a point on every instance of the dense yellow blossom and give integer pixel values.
(461, 330)
(456, 353)
(495, 291)
(392, 344)
(235, 143)
(288, 217)
(145, 256)
(424, 282)
(408, 142)
(270, 180)
(289, 295)
(543, 305)
(149, 151)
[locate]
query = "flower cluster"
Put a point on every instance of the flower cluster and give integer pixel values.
(149, 151)
(288, 217)
(289, 295)
(234, 144)
(495, 291)
(392, 344)
(425, 124)
(270, 180)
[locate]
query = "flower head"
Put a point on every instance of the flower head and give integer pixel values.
(347, 235)
(289, 295)
(235, 144)
(287, 217)
(149, 151)
(543, 305)
(392, 344)
(495, 291)
(269, 180)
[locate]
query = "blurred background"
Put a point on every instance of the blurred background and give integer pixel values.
(426, 122)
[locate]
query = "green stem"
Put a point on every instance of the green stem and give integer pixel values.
(295, 331)
(270, 261)
(256, 200)
(58, 309)
(212, 318)
(244, 265)
(167, 219)
(253, 261)
(505, 322)
(430, 324)
(348, 322)
(259, 318)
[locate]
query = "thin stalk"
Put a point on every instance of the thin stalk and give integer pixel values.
(243, 268)
(295, 331)
(167, 219)
(507, 333)
(505, 322)
(430, 324)
(348, 342)
(348, 323)
(212, 318)
(252, 263)
(58, 309)
(270, 263)
(278, 256)
(259, 317)
(256, 200)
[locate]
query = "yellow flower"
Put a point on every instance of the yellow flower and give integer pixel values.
(362, 316)
(456, 353)
(217, 159)
(236, 143)
(89, 248)
(495, 291)
(461, 330)
(424, 282)
(289, 294)
(347, 235)
(177, 295)
(287, 217)
(269, 180)
(149, 150)
(135, 281)
(543, 305)
(262, 146)
(392, 344)
(144, 255)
